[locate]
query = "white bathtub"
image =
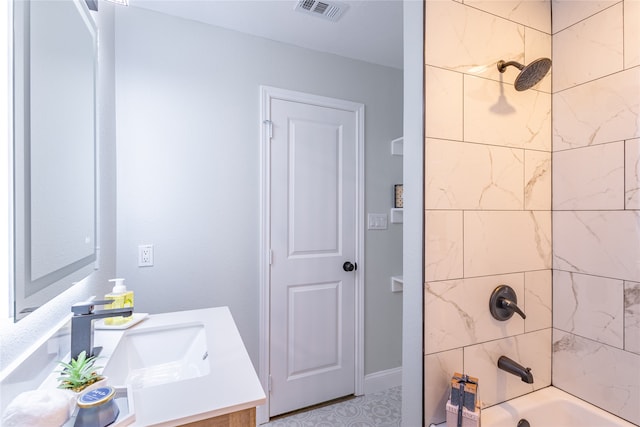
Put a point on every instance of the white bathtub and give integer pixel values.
(549, 407)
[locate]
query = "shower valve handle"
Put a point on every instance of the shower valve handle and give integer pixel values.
(503, 303)
(510, 305)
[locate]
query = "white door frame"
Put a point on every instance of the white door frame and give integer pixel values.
(267, 93)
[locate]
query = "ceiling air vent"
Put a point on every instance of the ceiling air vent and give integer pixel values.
(329, 10)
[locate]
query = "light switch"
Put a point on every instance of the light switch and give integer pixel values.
(377, 221)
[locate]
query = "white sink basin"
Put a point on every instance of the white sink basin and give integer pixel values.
(153, 356)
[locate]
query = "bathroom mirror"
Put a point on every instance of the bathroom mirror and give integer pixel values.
(54, 150)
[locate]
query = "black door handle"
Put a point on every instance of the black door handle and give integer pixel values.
(347, 266)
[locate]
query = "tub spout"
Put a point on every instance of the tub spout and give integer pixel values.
(516, 369)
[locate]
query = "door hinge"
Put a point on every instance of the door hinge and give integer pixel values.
(269, 384)
(270, 257)
(269, 125)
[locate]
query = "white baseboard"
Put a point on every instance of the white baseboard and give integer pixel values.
(382, 380)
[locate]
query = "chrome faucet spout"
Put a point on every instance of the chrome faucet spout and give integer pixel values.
(82, 324)
(516, 369)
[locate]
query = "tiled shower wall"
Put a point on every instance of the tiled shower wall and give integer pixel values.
(487, 197)
(596, 203)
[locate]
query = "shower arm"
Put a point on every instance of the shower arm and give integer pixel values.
(502, 65)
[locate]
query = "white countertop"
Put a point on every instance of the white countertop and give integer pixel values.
(231, 384)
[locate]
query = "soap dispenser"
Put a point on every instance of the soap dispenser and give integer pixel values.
(121, 299)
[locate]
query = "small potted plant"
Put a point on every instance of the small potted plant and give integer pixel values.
(79, 373)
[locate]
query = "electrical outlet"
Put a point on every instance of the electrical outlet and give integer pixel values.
(145, 255)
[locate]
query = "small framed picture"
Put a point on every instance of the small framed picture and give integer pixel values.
(397, 196)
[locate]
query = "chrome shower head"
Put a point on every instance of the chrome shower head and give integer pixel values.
(530, 74)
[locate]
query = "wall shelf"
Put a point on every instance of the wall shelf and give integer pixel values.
(396, 215)
(397, 283)
(397, 147)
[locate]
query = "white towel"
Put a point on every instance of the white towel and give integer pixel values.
(39, 408)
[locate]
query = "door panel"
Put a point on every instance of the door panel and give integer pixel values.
(321, 304)
(313, 208)
(314, 211)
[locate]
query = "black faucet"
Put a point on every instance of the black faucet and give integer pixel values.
(82, 324)
(516, 369)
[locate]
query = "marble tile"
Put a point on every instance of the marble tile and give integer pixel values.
(472, 176)
(602, 375)
(469, 40)
(576, 123)
(537, 180)
(532, 13)
(589, 306)
(497, 242)
(631, 33)
(443, 245)
(632, 317)
(591, 49)
(538, 45)
(495, 113)
(457, 312)
(531, 350)
(569, 12)
(632, 174)
(596, 242)
(537, 300)
(443, 103)
(589, 178)
(438, 370)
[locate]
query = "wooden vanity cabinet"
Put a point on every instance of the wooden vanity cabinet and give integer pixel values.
(244, 418)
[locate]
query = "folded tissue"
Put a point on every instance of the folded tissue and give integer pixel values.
(39, 408)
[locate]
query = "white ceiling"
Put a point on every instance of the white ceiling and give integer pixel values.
(370, 30)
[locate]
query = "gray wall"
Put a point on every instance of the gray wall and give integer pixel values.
(188, 167)
(18, 337)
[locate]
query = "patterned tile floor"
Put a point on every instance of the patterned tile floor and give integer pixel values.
(377, 409)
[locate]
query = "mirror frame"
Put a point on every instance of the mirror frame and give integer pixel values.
(29, 293)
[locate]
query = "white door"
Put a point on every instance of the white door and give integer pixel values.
(313, 234)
